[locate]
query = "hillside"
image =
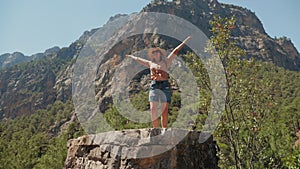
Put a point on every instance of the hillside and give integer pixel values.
(9, 60)
(249, 31)
(55, 69)
(37, 108)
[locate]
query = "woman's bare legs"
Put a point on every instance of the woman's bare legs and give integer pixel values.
(154, 116)
(164, 117)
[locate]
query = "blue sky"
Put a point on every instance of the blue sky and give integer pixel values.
(32, 26)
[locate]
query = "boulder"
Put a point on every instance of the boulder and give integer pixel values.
(143, 149)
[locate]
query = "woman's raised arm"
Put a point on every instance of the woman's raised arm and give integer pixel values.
(176, 50)
(140, 60)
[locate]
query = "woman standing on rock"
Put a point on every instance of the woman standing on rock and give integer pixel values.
(160, 87)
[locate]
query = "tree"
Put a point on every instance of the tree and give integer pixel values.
(247, 104)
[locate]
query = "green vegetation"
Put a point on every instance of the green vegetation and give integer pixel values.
(262, 111)
(257, 129)
(34, 142)
(139, 102)
(261, 116)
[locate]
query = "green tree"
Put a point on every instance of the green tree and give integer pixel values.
(55, 155)
(293, 161)
(247, 104)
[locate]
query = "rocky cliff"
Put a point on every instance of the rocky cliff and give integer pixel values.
(28, 87)
(142, 149)
(249, 32)
(43, 78)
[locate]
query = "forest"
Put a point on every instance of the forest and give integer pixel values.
(258, 127)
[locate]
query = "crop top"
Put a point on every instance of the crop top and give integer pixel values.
(157, 74)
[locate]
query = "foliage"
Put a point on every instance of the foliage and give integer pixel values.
(252, 133)
(33, 141)
(257, 129)
(140, 102)
(261, 116)
(293, 161)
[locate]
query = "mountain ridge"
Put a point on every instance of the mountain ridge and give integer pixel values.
(37, 95)
(8, 60)
(249, 32)
(254, 40)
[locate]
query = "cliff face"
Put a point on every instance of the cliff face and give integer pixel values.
(32, 86)
(142, 149)
(42, 78)
(28, 87)
(249, 32)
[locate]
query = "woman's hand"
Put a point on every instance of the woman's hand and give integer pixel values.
(187, 39)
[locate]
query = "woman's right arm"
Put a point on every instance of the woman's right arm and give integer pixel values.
(140, 60)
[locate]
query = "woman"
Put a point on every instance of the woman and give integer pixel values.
(160, 87)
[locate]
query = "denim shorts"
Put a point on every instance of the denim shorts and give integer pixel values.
(160, 91)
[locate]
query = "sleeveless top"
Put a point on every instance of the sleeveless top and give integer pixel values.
(157, 74)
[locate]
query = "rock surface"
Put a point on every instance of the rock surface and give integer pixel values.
(249, 33)
(142, 149)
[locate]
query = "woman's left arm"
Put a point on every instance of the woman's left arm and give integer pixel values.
(176, 50)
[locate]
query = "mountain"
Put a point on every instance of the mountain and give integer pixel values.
(8, 60)
(249, 33)
(29, 86)
(45, 77)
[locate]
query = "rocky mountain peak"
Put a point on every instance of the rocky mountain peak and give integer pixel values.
(249, 32)
(287, 44)
(8, 60)
(52, 50)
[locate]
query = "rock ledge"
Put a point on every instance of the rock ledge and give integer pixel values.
(143, 149)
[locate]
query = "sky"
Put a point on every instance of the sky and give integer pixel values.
(32, 26)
